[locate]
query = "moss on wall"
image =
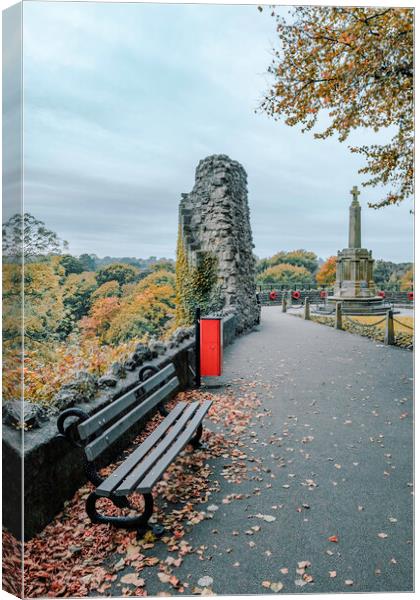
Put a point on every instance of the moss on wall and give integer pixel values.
(195, 285)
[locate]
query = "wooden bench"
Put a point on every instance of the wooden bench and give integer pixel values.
(145, 465)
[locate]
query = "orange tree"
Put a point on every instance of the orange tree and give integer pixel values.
(355, 66)
(144, 310)
(326, 273)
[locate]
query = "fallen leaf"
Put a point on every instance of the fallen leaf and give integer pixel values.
(133, 578)
(119, 565)
(205, 581)
(268, 518)
(303, 564)
(276, 587)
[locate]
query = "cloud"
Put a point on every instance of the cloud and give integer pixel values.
(123, 100)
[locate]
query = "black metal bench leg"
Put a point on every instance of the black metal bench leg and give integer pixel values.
(122, 502)
(195, 440)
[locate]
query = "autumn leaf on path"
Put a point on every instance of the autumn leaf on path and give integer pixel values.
(276, 586)
(268, 518)
(133, 579)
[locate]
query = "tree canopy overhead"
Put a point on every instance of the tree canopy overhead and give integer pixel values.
(356, 64)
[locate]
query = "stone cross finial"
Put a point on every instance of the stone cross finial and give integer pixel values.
(355, 192)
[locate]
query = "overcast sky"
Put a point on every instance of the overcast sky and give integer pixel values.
(123, 100)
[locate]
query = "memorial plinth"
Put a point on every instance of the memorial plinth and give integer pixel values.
(354, 285)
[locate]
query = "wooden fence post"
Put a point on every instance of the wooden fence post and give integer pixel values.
(389, 338)
(307, 310)
(284, 303)
(339, 315)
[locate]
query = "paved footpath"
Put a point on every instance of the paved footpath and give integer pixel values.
(333, 457)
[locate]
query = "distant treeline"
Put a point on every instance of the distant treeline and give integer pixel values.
(303, 267)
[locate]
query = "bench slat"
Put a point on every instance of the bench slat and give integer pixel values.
(146, 483)
(107, 487)
(102, 442)
(104, 416)
(139, 472)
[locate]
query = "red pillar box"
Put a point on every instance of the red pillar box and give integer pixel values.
(211, 346)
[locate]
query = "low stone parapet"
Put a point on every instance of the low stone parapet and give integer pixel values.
(52, 467)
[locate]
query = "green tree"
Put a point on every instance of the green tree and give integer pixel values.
(71, 264)
(286, 274)
(88, 262)
(164, 265)
(356, 66)
(382, 271)
(300, 258)
(26, 237)
(122, 273)
(390, 273)
(78, 290)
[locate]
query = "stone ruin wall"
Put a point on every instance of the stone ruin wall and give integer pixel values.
(214, 217)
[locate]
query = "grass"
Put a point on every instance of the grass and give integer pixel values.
(407, 320)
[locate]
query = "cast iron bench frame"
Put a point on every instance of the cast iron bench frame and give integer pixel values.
(144, 466)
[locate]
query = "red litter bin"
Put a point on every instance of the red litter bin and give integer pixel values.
(211, 346)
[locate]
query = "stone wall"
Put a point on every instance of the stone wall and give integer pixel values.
(214, 217)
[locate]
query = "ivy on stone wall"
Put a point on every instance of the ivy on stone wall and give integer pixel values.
(195, 286)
